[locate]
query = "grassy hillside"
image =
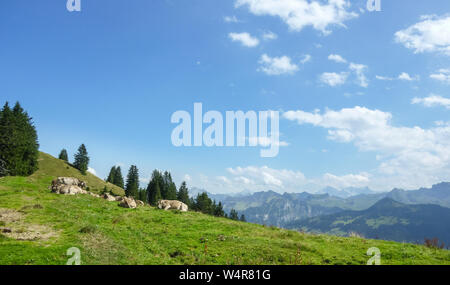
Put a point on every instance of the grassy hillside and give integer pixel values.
(44, 225)
(50, 168)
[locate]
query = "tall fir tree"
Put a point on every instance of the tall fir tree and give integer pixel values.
(142, 195)
(183, 194)
(154, 188)
(218, 210)
(63, 155)
(118, 177)
(111, 175)
(81, 159)
(132, 186)
(18, 142)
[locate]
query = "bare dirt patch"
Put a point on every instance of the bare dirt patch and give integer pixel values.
(13, 226)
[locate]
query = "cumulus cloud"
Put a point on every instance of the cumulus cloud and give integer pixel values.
(298, 14)
(408, 156)
(244, 38)
(443, 75)
(359, 70)
(337, 58)
(344, 181)
(333, 78)
(406, 77)
(277, 65)
(432, 101)
(432, 34)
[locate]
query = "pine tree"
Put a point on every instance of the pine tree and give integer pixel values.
(18, 142)
(242, 219)
(81, 159)
(118, 177)
(63, 155)
(132, 186)
(183, 194)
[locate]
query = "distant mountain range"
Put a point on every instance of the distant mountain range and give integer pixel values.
(271, 208)
(387, 220)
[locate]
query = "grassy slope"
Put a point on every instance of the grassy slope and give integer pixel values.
(151, 236)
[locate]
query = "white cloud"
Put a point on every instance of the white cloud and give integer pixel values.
(230, 19)
(409, 156)
(298, 14)
(344, 181)
(430, 35)
(264, 178)
(277, 65)
(359, 69)
(306, 58)
(337, 58)
(333, 78)
(402, 76)
(385, 78)
(432, 101)
(92, 171)
(269, 36)
(406, 77)
(442, 75)
(244, 38)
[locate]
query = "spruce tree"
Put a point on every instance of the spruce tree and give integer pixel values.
(142, 195)
(234, 215)
(63, 155)
(183, 194)
(18, 142)
(111, 175)
(118, 177)
(132, 186)
(154, 188)
(242, 219)
(218, 210)
(81, 159)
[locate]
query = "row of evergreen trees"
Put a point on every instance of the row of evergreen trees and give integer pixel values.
(19, 147)
(162, 187)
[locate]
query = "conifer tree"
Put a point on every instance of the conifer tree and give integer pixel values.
(18, 142)
(132, 186)
(183, 194)
(242, 219)
(111, 175)
(118, 177)
(81, 159)
(154, 188)
(234, 215)
(218, 210)
(63, 155)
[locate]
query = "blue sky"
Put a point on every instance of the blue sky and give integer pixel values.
(363, 96)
